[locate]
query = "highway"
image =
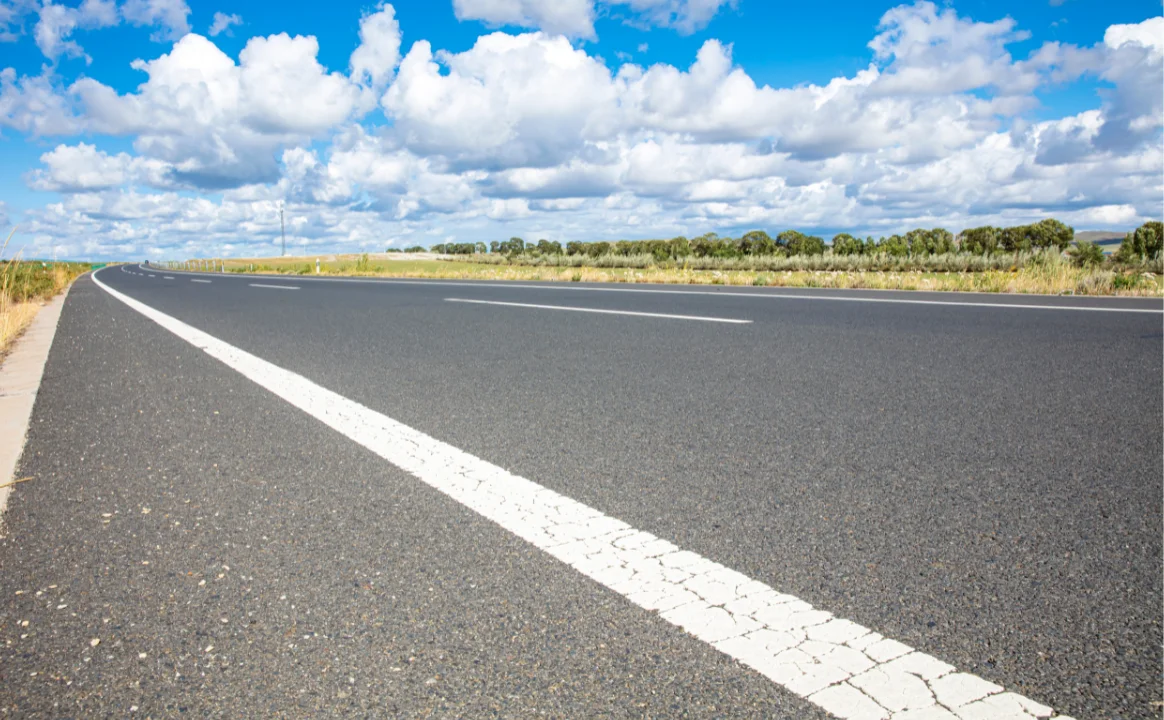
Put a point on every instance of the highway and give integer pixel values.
(251, 492)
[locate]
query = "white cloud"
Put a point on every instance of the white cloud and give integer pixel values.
(375, 60)
(84, 168)
(1149, 34)
(223, 22)
(220, 124)
(56, 23)
(686, 16)
(32, 105)
(12, 16)
(171, 15)
(509, 100)
(574, 18)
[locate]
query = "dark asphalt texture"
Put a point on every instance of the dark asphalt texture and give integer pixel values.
(981, 483)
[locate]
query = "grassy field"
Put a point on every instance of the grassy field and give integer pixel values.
(24, 287)
(1046, 274)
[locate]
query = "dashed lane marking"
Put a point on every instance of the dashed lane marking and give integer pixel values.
(199, 281)
(848, 670)
(274, 287)
(601, 311)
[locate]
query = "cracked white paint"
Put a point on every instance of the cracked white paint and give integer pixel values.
(844, 668)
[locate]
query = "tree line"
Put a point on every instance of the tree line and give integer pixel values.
(1143, 243)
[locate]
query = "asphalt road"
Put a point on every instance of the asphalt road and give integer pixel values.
(981, 483)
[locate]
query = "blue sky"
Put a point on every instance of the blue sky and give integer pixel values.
(129, 129)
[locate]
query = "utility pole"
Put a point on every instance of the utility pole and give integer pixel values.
(282, 229)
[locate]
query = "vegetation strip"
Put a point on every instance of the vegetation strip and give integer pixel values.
(25, 286)
(1039, 259)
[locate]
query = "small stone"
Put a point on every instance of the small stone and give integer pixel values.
(94, 642)
(145, 511)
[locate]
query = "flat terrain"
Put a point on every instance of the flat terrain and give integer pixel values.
(980, 482)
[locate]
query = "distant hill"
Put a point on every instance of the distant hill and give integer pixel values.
(1104, 238)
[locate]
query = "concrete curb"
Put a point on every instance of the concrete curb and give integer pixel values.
(20, 376)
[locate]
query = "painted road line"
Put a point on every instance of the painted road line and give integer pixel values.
(602, 312)
(274, 287)
(152, 275)
(201, 281)
(845, 668)
(167, 277)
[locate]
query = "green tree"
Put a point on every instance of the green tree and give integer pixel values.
(786, 238)
(846, 244)
(549, 247)
(757, 242)
(980, 240)
(1142, 243)
(598, 249)
(798, 243)
(1015, 239)
(1050, 233)
(894, 245)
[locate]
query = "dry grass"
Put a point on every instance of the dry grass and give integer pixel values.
(1049, 274)
(24, 288)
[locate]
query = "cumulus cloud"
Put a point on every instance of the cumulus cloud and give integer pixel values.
(509, 100)
(219, 124)
(375, 60)
(223, 22)
(84, 168)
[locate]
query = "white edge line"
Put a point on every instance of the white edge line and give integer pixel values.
(601, 311)
(274, 287)
(834, 663)
(763, 296)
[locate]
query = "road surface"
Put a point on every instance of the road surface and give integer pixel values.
(976, 480)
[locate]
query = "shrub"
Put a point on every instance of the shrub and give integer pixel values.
(1086, 254)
